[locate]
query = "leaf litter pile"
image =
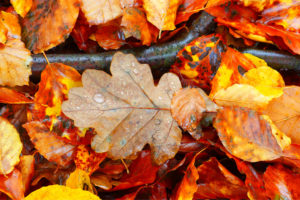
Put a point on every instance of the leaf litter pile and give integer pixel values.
(220, 125)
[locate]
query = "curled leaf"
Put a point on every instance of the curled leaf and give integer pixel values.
(127, 110)
(249, 136)
(49, 23)
(10, 148)
(60, 192)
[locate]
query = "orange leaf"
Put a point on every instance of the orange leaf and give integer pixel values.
(10, 96)
(21, 6)
(49, 23)
(79, 179)
(11, 185)
(215, 181)
(187, 8)
(233, 65)
(249, 136)
(284, 112)
(48, 144)
(162, 13)
(100, 12)
(281, 183)
(134, 23)
(87, 160)
(198, 61)
(27, 170)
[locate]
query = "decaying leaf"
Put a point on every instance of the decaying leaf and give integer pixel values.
(10, 96)
(285, 112)
(48, 144)
(49, 23)
(21, 6)
(127, 110)
(162, 13)
(281, 183)
(99, 12)
(241, 95)
(79, 179)
(215, 181)
(60, 192)
(249, 136)
(188, 107)
(11, 185)
(10, 146)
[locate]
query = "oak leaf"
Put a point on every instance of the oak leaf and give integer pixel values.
(49, 23)
(127, 110)
(250, 136)
(21, 6)
(11, 146)
(60, 192)
(100, 12)
(162, 13)
(284, 112)
(188, 107)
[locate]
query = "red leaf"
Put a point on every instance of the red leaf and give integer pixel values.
(10, 96)
(11, 184)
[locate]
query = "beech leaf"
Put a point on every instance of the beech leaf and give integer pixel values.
(250, 136)
(21, 6)
(127, 110)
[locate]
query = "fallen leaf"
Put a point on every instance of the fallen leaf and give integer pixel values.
(162, 13)
(79, 179)
(11, 185)
(284, 112)
(134, 24)
(187, 8)
(233, 65)
(49, 23)
(60, 192)
(112, 167)
(101, 181)
(248, 135)
(215, 181)
(86, 159)
(198, 61)
(3, 33)
(10, 96)
(100, 12)
(11, 23)
(141, 171)
(27, 170)
(258, 5)
(127, 110)
(21, 6)
(188, 107)
(281, 183)
(48, 144)
(11, 146)
(241, 95)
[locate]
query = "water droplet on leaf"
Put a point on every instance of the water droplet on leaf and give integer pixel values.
(99, 98)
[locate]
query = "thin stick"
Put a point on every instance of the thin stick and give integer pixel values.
(127, 170)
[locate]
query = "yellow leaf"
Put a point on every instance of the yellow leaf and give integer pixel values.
(59, 192)
(162, 13)
(21, 6)
(100, 12)
(241, 95)
(79, 179)
(258, 62)
(10, 146)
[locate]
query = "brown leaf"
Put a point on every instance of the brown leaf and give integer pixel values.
(215, 181)
(284, 111)
(188, 107)
(249, 136)
(48, 144)
(49, 23)
(99, 12)
(10, 148)
(127, 110)
(281, 183)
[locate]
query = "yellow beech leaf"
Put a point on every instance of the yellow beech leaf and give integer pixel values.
(100, 12)
(79, 179)
(241, 95)
(10, 146)
(250, 136)
(21, 6)
(3, 33)
(162, 13)
(284, 111)
(59, 192)
(258, 62)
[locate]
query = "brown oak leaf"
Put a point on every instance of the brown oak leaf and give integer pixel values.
(127, 110)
